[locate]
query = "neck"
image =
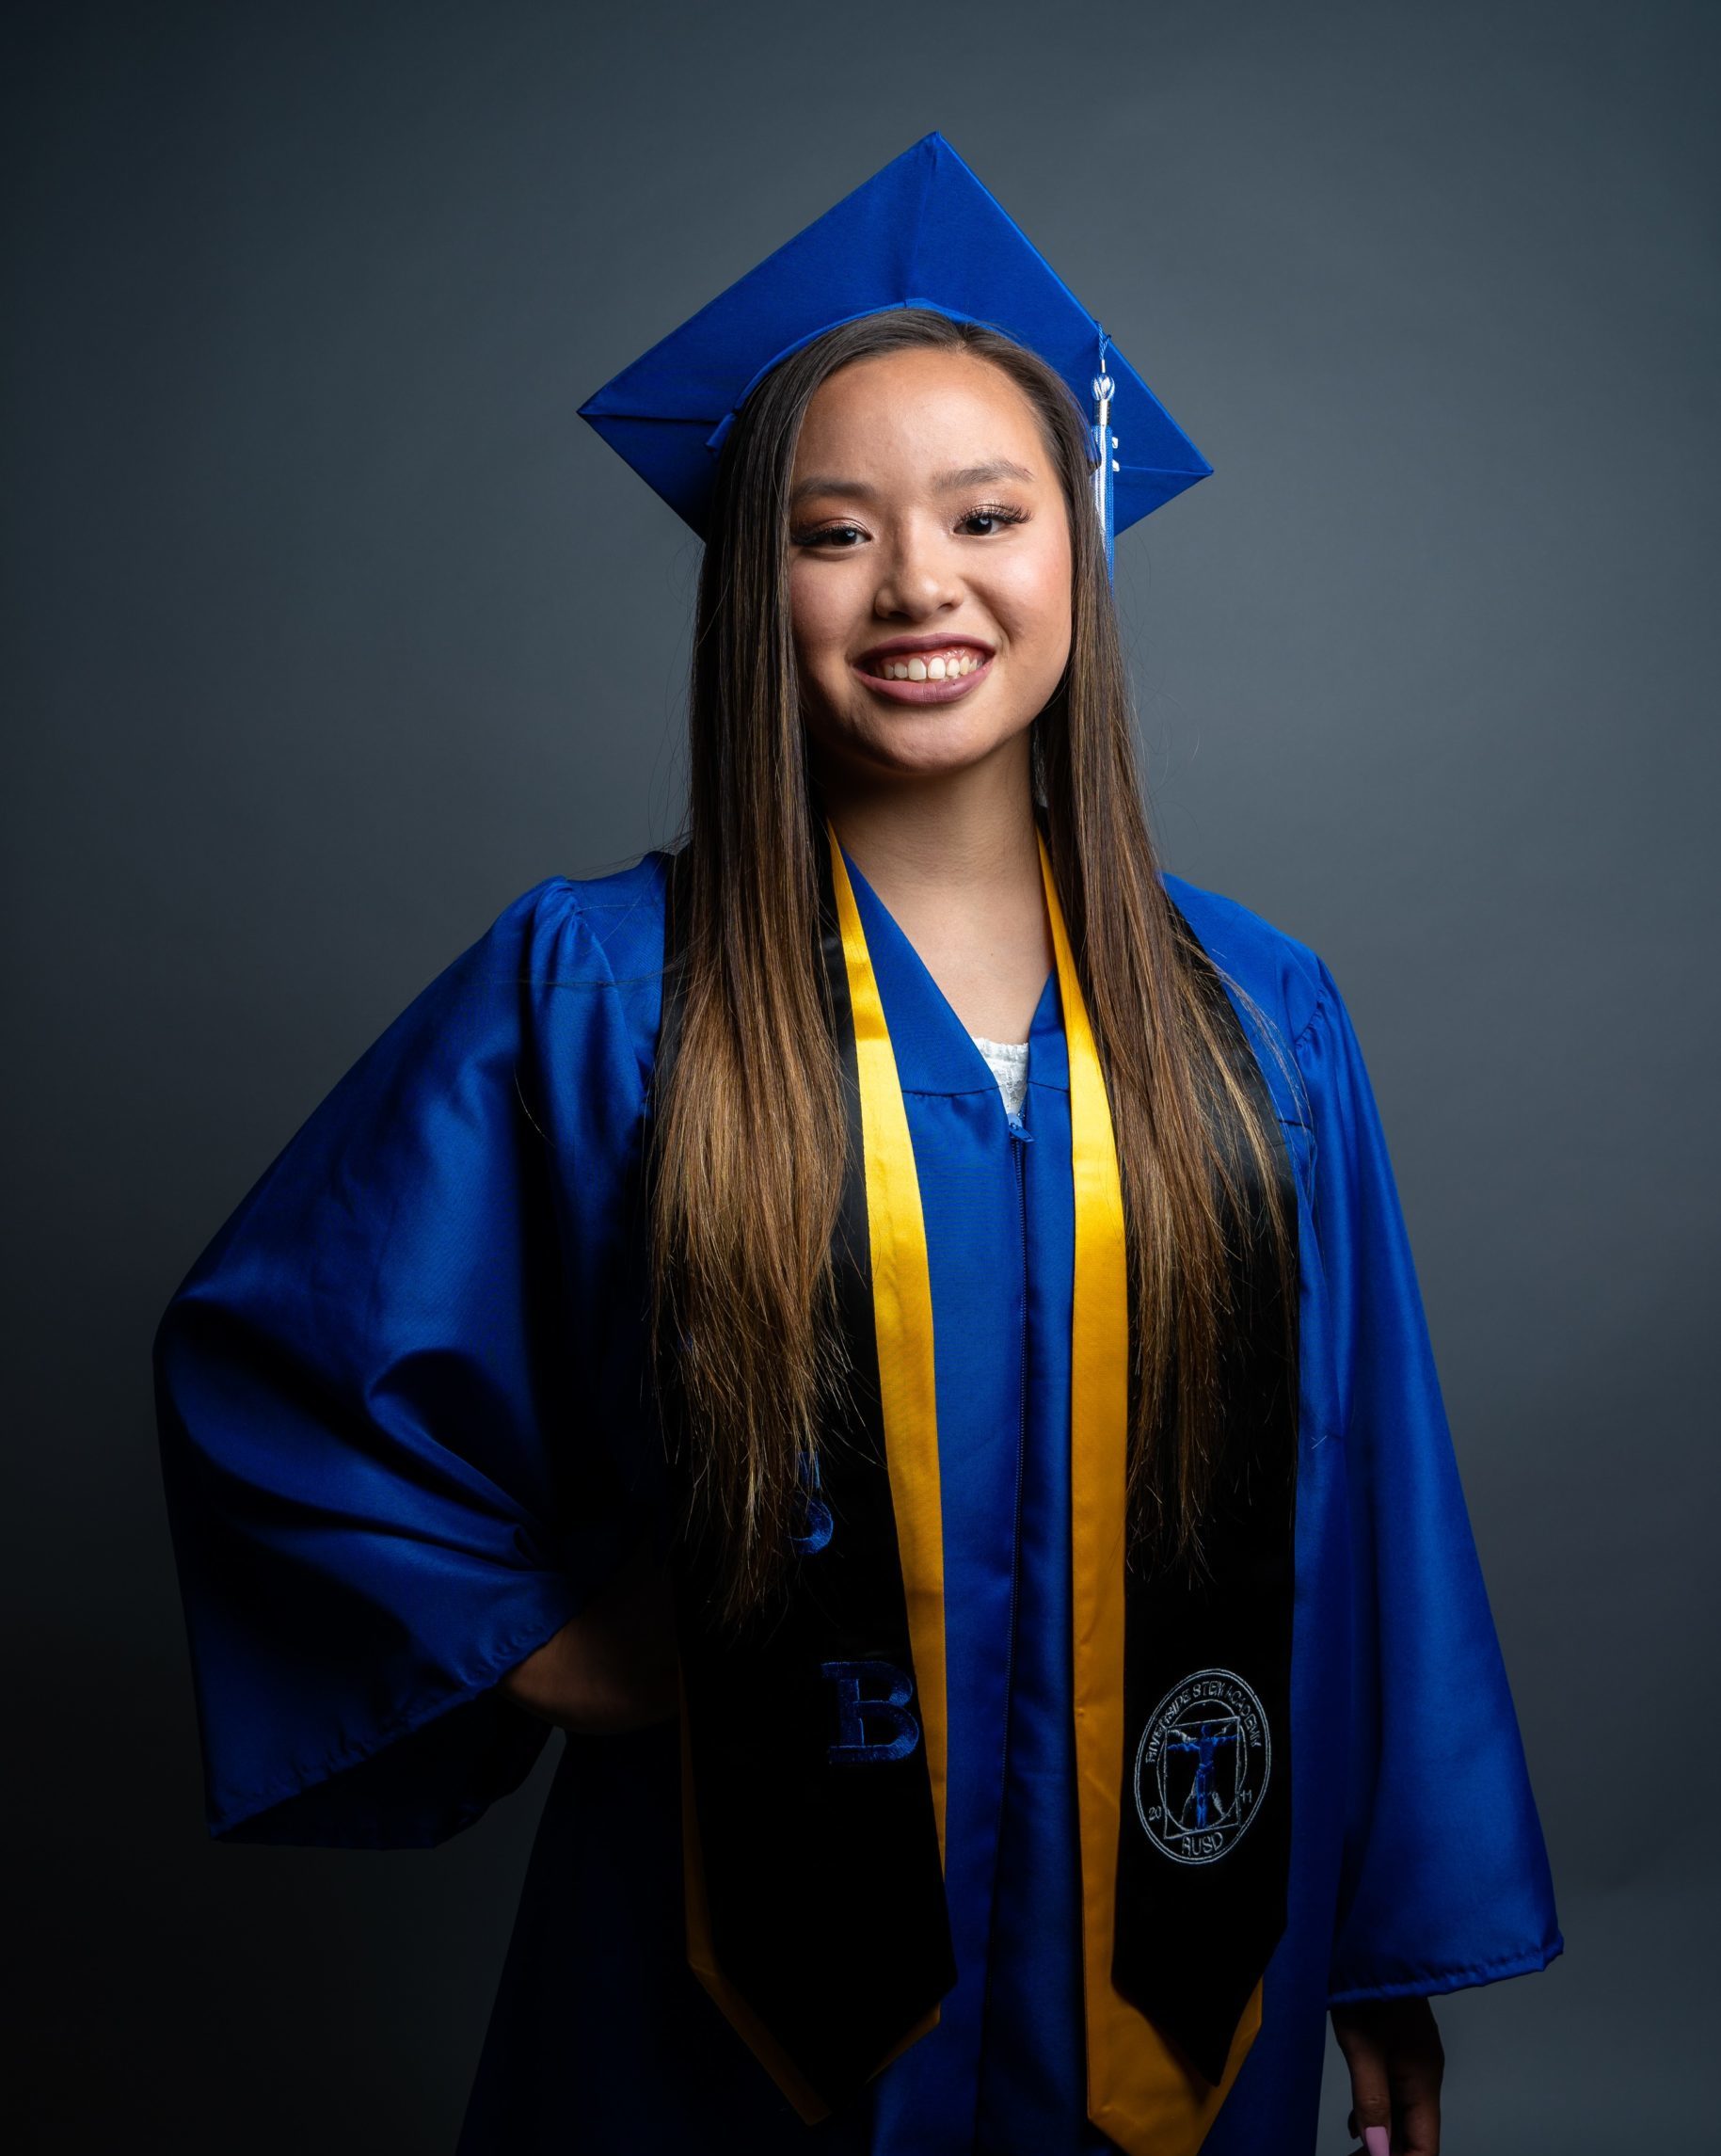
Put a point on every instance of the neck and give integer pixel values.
(954, 859)
(966, 839)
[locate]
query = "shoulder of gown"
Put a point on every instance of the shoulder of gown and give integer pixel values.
(623, 910)
(1280, 988)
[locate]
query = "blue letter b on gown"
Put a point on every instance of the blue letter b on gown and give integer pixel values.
(873, 1721)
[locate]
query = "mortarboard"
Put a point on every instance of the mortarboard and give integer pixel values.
(922, 232)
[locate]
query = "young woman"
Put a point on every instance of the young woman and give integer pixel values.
(892, 1327)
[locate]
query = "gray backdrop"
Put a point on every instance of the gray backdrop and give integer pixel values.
(331, 629)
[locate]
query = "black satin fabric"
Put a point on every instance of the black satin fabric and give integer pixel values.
(820, 1858)
(1195, 1931)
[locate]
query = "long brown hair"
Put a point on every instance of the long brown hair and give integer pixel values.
(749, 1130)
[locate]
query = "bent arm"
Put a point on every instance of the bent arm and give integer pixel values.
(613, 1666)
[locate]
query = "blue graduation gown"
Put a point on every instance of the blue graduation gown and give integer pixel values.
(406, 1433)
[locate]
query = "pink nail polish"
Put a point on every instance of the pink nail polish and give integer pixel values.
(1378, 2141)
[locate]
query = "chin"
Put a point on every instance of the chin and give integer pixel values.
(928, 744)
(930, 755)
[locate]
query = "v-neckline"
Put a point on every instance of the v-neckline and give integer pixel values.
(936, 1051)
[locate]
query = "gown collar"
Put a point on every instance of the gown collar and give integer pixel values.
(934, 1051)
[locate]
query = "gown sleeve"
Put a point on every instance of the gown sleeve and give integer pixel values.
(371, 1393)
(1445, 1879)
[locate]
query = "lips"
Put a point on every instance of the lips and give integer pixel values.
(924, 670)
(889, 659)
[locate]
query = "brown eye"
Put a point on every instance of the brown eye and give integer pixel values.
(984, 523)
(839, 537)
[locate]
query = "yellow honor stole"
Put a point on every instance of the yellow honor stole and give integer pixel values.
(814, 1834)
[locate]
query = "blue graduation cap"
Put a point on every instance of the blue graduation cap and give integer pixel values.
(921, 232)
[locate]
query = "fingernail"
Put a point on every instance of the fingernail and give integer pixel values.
(1377, 2140)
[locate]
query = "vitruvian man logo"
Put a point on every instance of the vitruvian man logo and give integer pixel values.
(1202, 1766)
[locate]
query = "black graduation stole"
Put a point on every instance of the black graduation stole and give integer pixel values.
(814, 1740)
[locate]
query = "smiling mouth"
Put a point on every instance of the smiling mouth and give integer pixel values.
(915, 672)
(950, 664)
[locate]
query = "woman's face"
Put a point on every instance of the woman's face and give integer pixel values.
(928, 538)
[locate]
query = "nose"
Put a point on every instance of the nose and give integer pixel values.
(918, 575)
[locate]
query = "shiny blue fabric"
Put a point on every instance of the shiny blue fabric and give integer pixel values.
(406, 1434)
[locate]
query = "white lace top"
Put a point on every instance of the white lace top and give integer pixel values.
(1007, 1061)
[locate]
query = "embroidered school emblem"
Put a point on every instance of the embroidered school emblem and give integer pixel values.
(1202, 1766)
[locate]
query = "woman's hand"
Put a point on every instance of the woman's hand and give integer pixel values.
(1393, 2051)
(613, 1666)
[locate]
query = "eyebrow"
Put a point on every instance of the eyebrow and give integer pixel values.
(946, 483)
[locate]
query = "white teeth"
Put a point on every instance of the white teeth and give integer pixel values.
(945, 667)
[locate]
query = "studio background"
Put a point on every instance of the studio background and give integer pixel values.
(330, 628)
